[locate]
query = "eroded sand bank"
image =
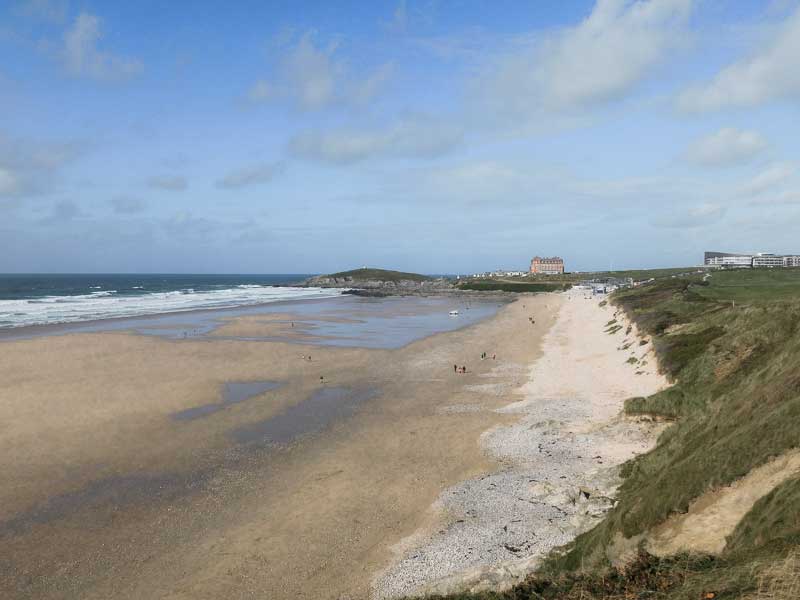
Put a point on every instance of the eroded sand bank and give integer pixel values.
(107, 494)
(557, 462)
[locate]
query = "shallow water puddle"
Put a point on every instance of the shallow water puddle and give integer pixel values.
(232, 393)
(104, 498)
(315, 413)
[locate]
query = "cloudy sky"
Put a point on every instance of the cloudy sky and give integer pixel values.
(436, 136)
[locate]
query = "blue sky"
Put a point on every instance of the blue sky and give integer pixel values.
(431, 136)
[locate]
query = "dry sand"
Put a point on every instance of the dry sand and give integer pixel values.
(712, 517)
(106, 495)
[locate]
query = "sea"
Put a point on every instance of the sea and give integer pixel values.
(38, 299)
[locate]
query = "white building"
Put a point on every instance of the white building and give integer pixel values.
(767, 260)
(759, 260)
(727, 259)
(791, 261)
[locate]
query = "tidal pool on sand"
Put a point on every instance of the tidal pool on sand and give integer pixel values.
(312, 415)
(232, 393)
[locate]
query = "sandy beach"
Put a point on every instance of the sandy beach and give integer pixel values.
(556, 464)
(127, 475)
(107, 494)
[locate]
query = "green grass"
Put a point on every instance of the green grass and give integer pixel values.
(381, 275)
(641, 274)
(753, 286)
(669, 403)
(512, 286)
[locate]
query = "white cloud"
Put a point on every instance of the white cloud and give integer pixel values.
(362, 92)
(185, 226)
(468, 46)
(772, 176)
(260, 92)
(127, 205)
(601, 59)
(172, 183)
(482, 180)
(696, 216)
(250, 175)
(83, 58)
(787, 197)
(411, 137)
(399, 21)
(728, 146)
(49, 10)
(771, 73)
(9, 182)
(312, 78)
(62, 211)
(29, 167)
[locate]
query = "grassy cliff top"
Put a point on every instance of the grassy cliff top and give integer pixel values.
(381, 275)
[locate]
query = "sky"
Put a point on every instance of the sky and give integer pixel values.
(433, 136)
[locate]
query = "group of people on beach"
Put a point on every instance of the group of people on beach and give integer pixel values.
(463, 369)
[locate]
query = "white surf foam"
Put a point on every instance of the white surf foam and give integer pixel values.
(108, 304)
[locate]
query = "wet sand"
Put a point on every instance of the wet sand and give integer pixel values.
(295, 492)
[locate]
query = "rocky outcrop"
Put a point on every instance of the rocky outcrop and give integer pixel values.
(381, 287)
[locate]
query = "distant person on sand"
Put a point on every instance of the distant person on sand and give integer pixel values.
(455, 368)
(464, 369)
(321, 379)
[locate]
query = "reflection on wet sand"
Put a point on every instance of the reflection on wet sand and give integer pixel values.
(312, 415)
(232, 393)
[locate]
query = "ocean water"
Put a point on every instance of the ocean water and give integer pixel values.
(50, 299)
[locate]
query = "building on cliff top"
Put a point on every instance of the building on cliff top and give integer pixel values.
(547, 266)
(761, 259)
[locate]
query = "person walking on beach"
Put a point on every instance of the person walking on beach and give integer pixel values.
(455, 368)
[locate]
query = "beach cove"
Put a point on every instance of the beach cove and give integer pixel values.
(144, 466)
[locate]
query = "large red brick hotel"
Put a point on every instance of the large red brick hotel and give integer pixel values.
(548, 266)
